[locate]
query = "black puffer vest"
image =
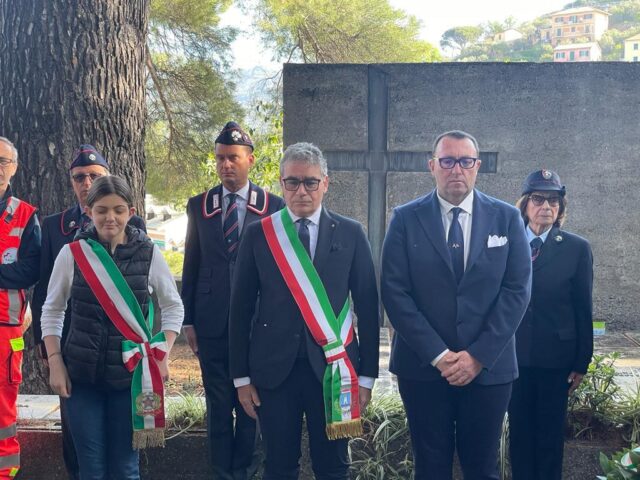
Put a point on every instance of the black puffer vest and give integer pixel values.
(93, 348)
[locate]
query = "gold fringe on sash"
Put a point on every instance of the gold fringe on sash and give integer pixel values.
(148, 438)
(348, 429)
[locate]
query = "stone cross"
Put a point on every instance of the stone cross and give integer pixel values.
(378, 161)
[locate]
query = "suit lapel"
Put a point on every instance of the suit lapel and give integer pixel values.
(430, 217)
(480, 224)
(326, 230)
(550, 249)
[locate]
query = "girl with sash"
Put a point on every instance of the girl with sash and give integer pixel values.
(112, 366)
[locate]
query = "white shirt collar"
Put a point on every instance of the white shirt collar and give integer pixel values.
(314, 217)
(466, 205)
(242, 193)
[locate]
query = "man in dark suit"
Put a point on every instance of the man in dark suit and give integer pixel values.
(217, 218)
(456, 276)
(276, 361)
(58, 230)
(554, 342)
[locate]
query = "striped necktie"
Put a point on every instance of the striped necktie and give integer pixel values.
(536, 246)
(230, 225)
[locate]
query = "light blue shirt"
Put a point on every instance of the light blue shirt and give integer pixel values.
(531, 235)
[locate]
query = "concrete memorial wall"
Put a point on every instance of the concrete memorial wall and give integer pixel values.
(376, 125)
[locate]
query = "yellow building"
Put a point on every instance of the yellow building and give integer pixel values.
(586, 24)
(632, 49)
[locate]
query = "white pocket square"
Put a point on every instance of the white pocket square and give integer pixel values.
(496, 241)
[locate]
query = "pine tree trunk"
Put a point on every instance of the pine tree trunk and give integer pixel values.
(71, 72)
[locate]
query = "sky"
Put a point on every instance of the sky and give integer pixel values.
(437, 16)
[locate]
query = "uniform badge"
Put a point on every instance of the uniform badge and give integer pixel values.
(546, 174)
(558, 238)
(216, 202)
(148, 403)
(236, 135)
(92, 157)
(72, 223)
(254, 198)
(10, 255)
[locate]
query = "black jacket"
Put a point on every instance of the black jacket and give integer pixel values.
(206, 275)
(267, 349)
(93, 347)
(58, 230)
(557, 329)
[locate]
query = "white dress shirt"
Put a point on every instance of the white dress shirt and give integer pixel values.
(160, 281)
(242, 197)
(464, 218)
(314, 228)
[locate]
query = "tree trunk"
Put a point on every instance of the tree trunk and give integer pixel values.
(71, 72)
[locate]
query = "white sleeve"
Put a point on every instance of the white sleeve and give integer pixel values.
(163, 284)
(58, 293)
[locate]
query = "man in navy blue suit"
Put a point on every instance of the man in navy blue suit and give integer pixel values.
(456, 281)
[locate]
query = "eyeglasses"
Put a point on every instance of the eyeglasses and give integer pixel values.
(292, 184)
(5, 162)
(81, 177)
(538, 200)
(449, 162)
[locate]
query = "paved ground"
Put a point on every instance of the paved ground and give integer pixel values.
(43, 410)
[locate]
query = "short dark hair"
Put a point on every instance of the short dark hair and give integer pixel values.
(109, 185)
(523, 202)
(458, 135)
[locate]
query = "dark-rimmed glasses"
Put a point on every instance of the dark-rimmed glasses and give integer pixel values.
(292, 184)
(81, 177)
(5, 162)
(449, 162)
(538, 200)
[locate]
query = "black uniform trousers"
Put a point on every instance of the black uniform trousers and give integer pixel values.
(443, 418)
(537, 414)
(280, 415)
(231, 445)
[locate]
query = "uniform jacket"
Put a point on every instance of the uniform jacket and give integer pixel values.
(557, 329)
(58, 230)
(431, 312)
(206, 275)
(267, 349)
(23, 273)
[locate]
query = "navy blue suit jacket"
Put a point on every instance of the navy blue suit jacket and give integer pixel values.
(430, 312)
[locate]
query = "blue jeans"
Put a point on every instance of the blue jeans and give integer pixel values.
(100, 423)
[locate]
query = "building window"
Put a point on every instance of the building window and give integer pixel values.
(558, 19)
(572, 56)
(587, 29)
(559, 32)
(635, 59)
(560, 54)
(573, 19)
(584, 53)
(573, 29)
(635, 46)
(587, 16)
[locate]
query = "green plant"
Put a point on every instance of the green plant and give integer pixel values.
(174, 260)
(621, 466)
(186, 412)
(384, 451)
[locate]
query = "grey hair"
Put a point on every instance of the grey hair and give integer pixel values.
(304, 152)
(458, 135)
(13, 148)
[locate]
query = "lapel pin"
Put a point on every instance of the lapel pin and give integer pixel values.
(558, 238)
(254, 198)
(72, 224)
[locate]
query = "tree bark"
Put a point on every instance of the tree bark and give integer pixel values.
(71, 72)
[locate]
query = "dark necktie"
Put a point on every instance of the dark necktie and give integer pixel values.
(536, 245)
(230, 225)
(303, 234)
(456, 244)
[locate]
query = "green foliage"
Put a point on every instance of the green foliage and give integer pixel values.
(268, 146)
(457, 39)
(326, 31)
(187, 412)
(174, 260)
(190, 95)
(384, 451)
(621, 466)
(612, 42)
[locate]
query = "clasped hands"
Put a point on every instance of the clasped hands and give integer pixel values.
(459, 368)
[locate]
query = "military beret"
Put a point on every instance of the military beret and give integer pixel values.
(86, 156)
(232, 134)
(541, 181)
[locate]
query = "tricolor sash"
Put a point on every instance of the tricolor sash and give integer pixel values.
(333, 334)
(141, 351)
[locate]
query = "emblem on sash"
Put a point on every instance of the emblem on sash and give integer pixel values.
(147, 403)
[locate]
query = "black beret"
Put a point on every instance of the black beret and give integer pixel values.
(86, 156)
(232, 134)
(541, 181)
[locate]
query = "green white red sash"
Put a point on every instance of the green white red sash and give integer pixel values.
(141, 351)
(333, 334)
